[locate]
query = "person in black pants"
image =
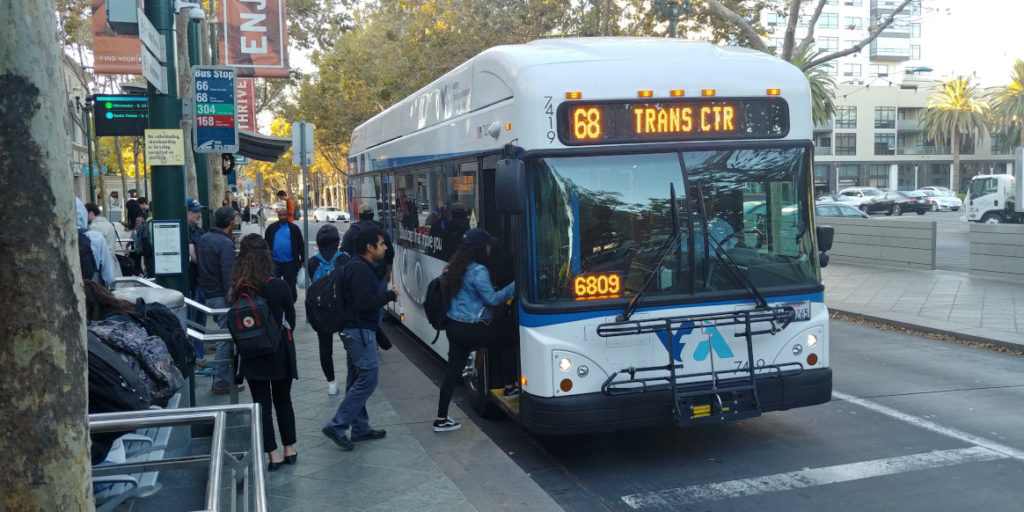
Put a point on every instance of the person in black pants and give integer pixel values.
(270, 376)
(471, 321)
(288, 250)
(327, 240)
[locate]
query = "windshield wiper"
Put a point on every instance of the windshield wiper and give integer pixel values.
(634, 303)
(730, 265)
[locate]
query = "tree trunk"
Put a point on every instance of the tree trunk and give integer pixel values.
(124, 186)
(185, 86)
(42, 335)
(955, 171)
(138, 167)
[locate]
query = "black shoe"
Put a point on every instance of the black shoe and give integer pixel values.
(274, 466)
(291, 459)
(372, 434)
(343, 442)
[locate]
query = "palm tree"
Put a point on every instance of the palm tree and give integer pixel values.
(955, 109)
(823, 87)
(1007, 103)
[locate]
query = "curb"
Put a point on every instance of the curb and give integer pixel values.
(956, 335)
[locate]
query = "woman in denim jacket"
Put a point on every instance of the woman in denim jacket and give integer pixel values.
(470, 314)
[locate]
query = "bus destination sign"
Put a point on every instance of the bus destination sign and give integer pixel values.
(611, 122)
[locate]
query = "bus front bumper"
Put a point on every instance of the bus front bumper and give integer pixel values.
(597, 412)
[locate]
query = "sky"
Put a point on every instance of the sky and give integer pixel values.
(976, 36)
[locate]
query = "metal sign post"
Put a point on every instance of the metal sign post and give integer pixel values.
(302, 154)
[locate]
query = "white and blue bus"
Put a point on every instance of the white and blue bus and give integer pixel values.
(654, 202)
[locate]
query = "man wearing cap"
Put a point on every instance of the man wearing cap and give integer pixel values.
(194, 211)
(288, 249)
(365, 222)
(215, 253)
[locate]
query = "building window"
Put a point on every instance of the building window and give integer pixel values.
(803, 21)
(885, 117)
(829, 20)
(825, 142)
(831, 2)
(878, 176)
(849, 174)
(830, 68)
(878, 70)
(915, 30)
(885, 144)
(852, 23)
(852, 3)
(846, 144)
(828, 44)
(915, 52)
(778, 42)
(851, 69)
(774, 19)
(846, 117)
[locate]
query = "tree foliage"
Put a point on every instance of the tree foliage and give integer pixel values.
(955, 109)
(1007, 104)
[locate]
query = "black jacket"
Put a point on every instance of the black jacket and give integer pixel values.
(216, 255)
(281, 364)
(364, 297)
(298, 244)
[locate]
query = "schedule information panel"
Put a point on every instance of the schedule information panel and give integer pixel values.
(216, 129)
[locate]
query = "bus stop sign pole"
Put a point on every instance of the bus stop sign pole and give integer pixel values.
(302, 154)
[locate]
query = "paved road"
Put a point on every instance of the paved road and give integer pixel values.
(952, 243)
(915, 424)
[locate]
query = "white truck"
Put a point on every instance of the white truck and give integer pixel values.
(997, 198)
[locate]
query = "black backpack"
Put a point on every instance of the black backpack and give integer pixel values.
(113, 387)
(325, 301)
(436, 304)
(158, 320)
(255, 332)
(86, 258)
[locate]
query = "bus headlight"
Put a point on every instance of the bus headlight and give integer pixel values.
(565, 364)
(812, 340)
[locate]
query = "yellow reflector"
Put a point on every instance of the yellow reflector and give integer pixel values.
(774, 92)
(508, 127)
(522, 380)
(573, 95)
(403, 317)
(701, 411)
(812, 359)
(565, 385)
(677, 92)
(645, 94)
(707, 92)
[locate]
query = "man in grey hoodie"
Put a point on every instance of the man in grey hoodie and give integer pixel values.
(100, 251)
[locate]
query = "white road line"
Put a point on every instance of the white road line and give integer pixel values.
(983, 450)
(681, 496)
(1009, 452)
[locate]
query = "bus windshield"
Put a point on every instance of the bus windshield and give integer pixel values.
(603, 223)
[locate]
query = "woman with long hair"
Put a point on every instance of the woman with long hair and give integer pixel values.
(470, 318)
(100, 304)
(270, 376)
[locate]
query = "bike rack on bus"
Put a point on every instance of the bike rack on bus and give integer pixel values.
(695, 402)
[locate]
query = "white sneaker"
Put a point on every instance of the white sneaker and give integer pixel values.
(332, 387)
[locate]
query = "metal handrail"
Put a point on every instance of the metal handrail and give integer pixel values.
(251, 461)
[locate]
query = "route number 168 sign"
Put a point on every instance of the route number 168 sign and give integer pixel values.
(216, 129)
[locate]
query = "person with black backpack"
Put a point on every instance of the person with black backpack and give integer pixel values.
(470, 318)
(270, 374)
(324, 262)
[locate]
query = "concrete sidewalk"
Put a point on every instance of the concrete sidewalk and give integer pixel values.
(952, 303)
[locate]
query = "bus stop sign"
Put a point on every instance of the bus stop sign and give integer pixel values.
(216, 130)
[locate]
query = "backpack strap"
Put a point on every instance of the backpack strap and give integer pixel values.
(321, 258)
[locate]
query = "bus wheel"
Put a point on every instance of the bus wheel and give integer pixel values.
(477, 381)
(992, 218)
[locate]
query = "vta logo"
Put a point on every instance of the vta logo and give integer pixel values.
(714, 341)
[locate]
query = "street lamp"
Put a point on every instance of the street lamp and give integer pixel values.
(671, 9)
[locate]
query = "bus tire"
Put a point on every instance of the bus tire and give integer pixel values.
(992, 218)
(477, 385)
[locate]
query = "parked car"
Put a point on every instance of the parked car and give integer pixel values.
(839, 210)
(836, 198)
(941, 202)
(329, 214)
(896, 203)
(861, 194)
(942, 190)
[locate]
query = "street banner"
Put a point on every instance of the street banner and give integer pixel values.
(113, 54)
(216, 130)
(245, 105)
(255, 37)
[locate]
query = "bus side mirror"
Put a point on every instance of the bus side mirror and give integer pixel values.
(510, 186)
(825, 236)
